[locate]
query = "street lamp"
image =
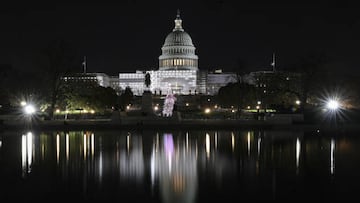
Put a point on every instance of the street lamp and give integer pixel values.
(23, 103)
(332, 105)
(29, 109)
(29, 113)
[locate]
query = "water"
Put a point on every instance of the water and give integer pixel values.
(186, 166)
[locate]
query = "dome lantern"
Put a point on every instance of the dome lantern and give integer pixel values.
(178, 22)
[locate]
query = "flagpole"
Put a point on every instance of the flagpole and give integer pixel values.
(274, 62)
(84, 63)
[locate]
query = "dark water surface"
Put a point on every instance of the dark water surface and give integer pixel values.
(178, 166)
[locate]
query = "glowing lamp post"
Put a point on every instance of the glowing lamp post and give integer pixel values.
(29, 109)
(258, 109)
(332, 105)
(207, 111)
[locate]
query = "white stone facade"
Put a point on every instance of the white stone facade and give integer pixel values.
(178, 69)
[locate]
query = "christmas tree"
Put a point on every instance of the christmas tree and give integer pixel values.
(168, 105)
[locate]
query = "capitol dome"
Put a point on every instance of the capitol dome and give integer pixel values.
(178, 51)
(178, 38)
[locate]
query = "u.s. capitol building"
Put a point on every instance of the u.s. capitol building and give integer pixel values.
(178, 71)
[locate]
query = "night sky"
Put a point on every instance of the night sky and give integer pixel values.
(128, 36)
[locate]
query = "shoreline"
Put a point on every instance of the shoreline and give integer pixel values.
(172, 124)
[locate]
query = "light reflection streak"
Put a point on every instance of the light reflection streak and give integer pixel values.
(128, 142)
(131, 165)
(232, 141)
(207, 145)
(100, 162)
(152, 167)
(23, 152)
(29, 149)
(298, 148)
(157, 142)
(92, 144)
(216, 140)
(85, 146)
(248, 143)
(57, 148)
(26, 152)
(118, 148)
(169, 148)
(259, 146)
(196, 150)
(100, 165)
(67, 145)
(42, 151)
(332, 156)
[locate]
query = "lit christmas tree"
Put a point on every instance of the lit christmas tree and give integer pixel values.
(168, 105)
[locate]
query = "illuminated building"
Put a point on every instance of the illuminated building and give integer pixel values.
(178, 69)
(101, 79)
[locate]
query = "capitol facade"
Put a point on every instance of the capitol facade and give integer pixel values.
(178, 71)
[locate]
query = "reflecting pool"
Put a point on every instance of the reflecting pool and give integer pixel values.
(178, 166)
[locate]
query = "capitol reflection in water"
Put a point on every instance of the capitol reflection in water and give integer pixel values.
(170, 166)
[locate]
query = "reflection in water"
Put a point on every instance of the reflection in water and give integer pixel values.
(174, 166)
(216, 140)
(131, 161)
(248, 143)
(92, 145)
(57, 148)
(259, 146)
(175, 170)
(207, 145)
(26, 152)
(128, 142)
(232, 141)
(187, 140)
(332, 156)
(85, 146)
(67, 146)
(100, 161)
(298, 148)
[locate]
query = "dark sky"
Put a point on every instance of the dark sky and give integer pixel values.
(128, 35)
